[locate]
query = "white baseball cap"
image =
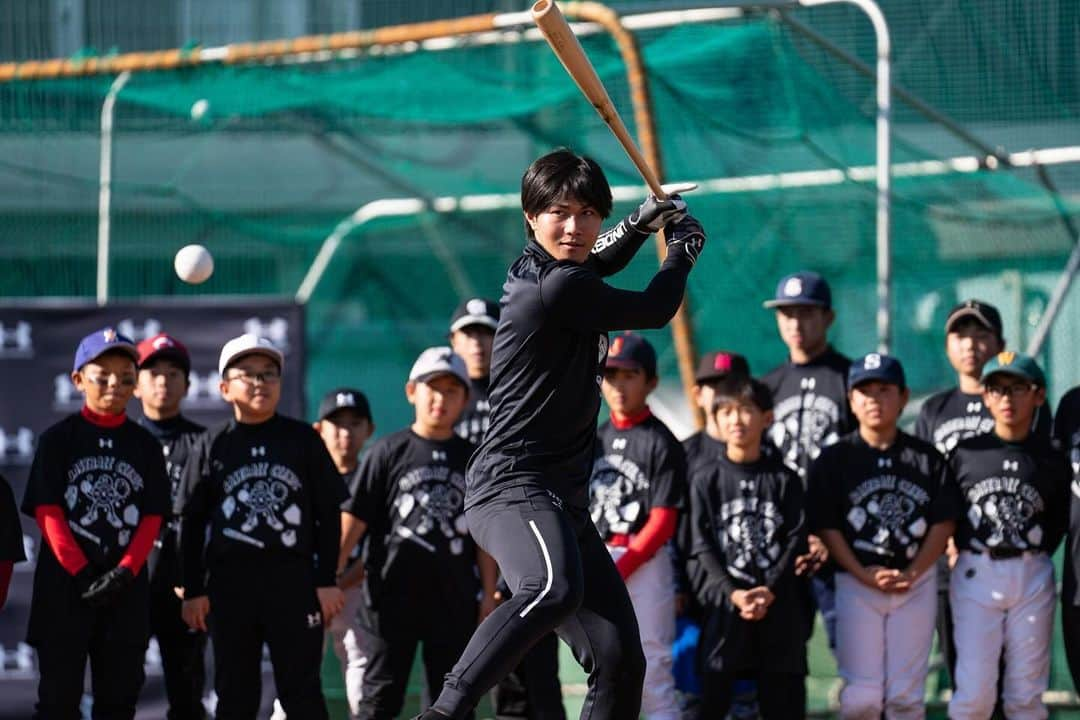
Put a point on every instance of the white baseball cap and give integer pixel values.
(249, 344)
(439, 360)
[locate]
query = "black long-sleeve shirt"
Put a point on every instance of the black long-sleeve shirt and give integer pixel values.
(546, 367)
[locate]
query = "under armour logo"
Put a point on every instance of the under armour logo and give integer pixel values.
(149, 328)
(345, 400)
(64, 394)
(974, 407)
(276, 330)
(618, 443)
(1010, 465)
(807, 383)
(17, 448)
(884, 462)
(203, 390)
(438, 455)
(16, 341)
(314, 619)
(258, 451)
(105, 443)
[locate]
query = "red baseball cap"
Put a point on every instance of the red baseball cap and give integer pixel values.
(164, 346)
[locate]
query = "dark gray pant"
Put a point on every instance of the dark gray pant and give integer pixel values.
(562, 579)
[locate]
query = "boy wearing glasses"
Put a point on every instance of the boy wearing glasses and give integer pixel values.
(98, 491)
(1014, 490)
(267, 490)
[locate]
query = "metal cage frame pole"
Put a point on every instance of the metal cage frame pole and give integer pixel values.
(105, 186)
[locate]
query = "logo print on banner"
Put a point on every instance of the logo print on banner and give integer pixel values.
(203, 393)
(148, 329)
(65, 397)
(16, 342)
(17, 448)
(276, 330)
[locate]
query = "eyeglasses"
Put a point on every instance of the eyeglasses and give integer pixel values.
(102, 379)
(999, 391)
(269, 377)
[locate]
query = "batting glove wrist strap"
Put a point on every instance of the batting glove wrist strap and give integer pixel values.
(653, 214)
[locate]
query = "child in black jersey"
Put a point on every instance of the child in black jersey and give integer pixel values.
(747, 529)
(879, 501)
(164, 366)
(1014, 490)
(98, 491)
(1067, 436)
(421, 564)
(267, 491)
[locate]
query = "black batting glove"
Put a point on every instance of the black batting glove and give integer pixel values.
(685, 236)
(109, 587)
(653, 214)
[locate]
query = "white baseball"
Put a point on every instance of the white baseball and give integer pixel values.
(194, 264)
(199, 108)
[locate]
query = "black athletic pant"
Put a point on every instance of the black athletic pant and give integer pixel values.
(114, 639)
(533, 691)
(1070, 628)
(182, 654)
(563, 579)
(780, 696)
(270, 602)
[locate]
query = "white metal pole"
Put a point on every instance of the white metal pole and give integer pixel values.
(105, 185)
(884, 164)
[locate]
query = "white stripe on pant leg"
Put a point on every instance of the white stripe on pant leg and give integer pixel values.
(547, 563)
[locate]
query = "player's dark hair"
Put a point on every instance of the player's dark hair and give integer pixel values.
(564, 174)
(740, 388)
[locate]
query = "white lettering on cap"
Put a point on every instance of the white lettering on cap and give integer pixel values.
(345, 400)
(793, 287)
(476, 306)
(872, 361)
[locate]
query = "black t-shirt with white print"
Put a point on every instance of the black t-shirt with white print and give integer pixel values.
(951, 416)
(105, 479)
(810, 408)
(11, 537)
(1067, 437)
(265, 490)
(411, 496)
(474, 420)
(636, 469)
(1067, 427)
(884, 502)
(178, 437)
(1014, 496)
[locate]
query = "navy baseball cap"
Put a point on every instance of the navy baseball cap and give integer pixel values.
(875, 366)
(719, 364)
(632, 352)
(1014, 363)
(475, 311)
(100, 342)
(344, 399)
(984, 313)
(802, 288)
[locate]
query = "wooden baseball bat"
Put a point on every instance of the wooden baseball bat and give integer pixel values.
(564, 43)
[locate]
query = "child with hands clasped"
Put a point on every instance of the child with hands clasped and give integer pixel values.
(747, 527)
(267, 490)
(880, 502)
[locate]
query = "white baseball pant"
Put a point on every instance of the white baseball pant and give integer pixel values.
(883, 648)
(652, 593)
(1002, 604)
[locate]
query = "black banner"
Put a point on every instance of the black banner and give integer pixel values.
(37, 348)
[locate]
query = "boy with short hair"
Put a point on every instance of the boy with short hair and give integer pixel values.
(712, 368)
(344, 425)
(98, 491)
(880, 503)
(747, 523)
(164, 368)
(1014, 490)
(472, 334)
(420, 579)
(265, 488)
(636, 491)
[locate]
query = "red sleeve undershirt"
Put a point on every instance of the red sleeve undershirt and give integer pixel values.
(658, 529)
(5, 578)
(55, 530)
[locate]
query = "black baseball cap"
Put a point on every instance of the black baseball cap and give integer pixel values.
(801, 288)
(986, 314)
(475, 311)
(344, 399)
(632, 352)
(718, 364)
(875, 366)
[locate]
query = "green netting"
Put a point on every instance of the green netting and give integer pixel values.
(284, 153)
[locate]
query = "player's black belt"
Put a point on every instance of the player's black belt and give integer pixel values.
(1002, 553)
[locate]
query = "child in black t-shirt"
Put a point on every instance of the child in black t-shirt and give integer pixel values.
(1067, 435)
(421, 565)
(98, 491)
(747, 524)
(267, 490)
